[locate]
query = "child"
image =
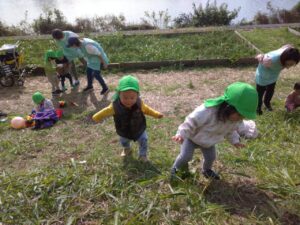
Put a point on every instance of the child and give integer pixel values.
(209, 123)
(44, 112)
(49, 55)
(129, 112)
(293, 99)
(62, 67)
(96, 58)
(61, 39)
(268, 70)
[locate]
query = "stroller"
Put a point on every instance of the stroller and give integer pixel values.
(10, 65)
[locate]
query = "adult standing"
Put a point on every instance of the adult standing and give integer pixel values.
(96, 58)
(61, 38)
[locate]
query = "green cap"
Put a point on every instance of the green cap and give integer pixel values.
(126, 83)
(241, 95)
(50, 54)
(37, 97)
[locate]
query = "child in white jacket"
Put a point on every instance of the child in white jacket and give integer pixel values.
(213, 121)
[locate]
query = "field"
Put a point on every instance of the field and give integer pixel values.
(72, 173)
(122, 48)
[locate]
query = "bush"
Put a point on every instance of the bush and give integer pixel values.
(278, 16)
(211, 15)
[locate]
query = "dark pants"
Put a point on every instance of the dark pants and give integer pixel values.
(265, 94)
(97, 74)
(63, 78)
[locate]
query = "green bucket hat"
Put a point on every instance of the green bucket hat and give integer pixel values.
(126, 83)
(37, 97)
(242, 96)
(50, 54)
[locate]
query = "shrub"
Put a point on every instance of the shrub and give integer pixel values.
(211, 15)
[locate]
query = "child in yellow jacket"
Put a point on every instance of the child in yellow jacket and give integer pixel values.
(129, 112)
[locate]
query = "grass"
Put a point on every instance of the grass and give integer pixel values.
(73, 172)
(120, 48)
(271, 39)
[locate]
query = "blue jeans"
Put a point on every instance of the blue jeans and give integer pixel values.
(97, 74)
(142, 140)
(187, 151)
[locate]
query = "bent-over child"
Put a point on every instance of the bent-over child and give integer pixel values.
(211, 122)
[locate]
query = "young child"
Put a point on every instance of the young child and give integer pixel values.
(213, 121)
(129, 113)
(44, 112)
(49, 65)
(268, 70)
(293, 99)
(62, 67)
(96, 59)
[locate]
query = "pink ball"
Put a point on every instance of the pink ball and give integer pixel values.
(17, 122)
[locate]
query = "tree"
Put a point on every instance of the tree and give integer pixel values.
(211, 15)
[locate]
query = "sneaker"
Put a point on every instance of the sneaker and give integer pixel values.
(143, 159)
(269, 108)
(126, 152)
(259, 112)
(76, 83)
(211, 174)
(87, 89)
(57, 92)
(104, 91)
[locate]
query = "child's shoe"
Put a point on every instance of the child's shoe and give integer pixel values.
(57, 92)
(64, 89)
(211, 174)
(126, 152)
(143, 159)
(104, 91)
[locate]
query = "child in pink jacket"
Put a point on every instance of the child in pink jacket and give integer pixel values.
(293, 99)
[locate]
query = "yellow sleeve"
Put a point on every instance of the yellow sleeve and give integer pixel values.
(108, 111)
(149, 111)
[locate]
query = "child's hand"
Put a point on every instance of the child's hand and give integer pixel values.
(178, 139)
(239, 145)
(160, 116)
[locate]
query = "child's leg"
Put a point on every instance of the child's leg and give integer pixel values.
(70, 78)
(99, 78)
(269, 94)
(62, 80)
(261, 91)
(143, 144)
(209, 156)
(125, 142)
(73, 70)
(90, 77)
(186, 154)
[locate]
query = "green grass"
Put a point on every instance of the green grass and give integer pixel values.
(73, 174)
(120, 48)
(271, 39)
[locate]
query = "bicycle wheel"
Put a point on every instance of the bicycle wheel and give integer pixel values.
(7, 81)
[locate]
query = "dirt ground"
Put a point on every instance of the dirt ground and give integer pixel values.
(169, 92)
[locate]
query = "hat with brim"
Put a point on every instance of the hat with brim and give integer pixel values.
(127, 83)
(242, 96)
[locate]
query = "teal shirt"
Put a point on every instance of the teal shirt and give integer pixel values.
(70, 53)
(268, 75)
(93, 61)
